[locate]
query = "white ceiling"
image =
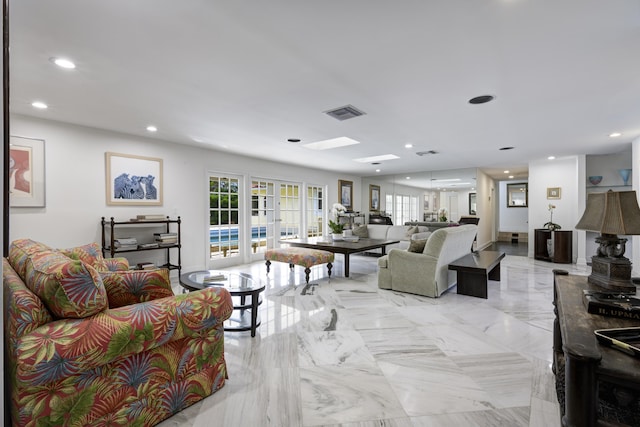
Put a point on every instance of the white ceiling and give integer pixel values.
(244, 76)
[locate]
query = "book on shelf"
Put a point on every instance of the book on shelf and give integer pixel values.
(624, 306)
(147, 245)
(162, 235)
(151, 217)
(124, 241)
(146, 265)
(126, 247)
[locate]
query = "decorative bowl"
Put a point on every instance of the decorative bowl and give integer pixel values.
(595, 180)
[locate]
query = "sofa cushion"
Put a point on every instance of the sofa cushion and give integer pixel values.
(410, 231)
(417, 245)
(361, 231)
(20, 250)
(397, 232)
(69, 288)
(89, 254)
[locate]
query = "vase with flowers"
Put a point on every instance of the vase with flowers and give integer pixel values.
(335, 226)
(552, 225)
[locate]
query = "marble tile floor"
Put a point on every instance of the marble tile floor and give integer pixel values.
(345, 353)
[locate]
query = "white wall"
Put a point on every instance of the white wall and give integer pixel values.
(75, 185)
(486, 209)
(563, 173)
(512, 220)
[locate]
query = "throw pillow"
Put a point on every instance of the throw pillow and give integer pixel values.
(417, 246)
(135, 286)
(411, 230)
(20, 251)
(361, 231)
(69, 288)
(89, 254)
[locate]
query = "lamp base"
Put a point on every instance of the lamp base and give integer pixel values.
(612, 274)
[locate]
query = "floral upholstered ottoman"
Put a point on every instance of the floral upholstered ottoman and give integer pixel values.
(304, 257)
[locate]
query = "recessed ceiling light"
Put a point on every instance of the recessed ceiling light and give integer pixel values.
(551, 158)
(510, 176)
(505, 148)
(408, 177)
(63, 63)
(328, 144)
(377, 158)
(39, 104)
(408, 145)
(152, 128)
(482, 99)
(615, 135)
(293, 140)
(506, 171)
(377, 170)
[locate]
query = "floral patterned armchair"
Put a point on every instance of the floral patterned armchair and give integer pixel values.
(86, 345)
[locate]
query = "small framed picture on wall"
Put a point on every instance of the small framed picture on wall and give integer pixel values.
(553, 192)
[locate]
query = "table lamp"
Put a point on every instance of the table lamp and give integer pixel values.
(610, 214)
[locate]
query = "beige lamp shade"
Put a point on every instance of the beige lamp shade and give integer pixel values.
(613, 212)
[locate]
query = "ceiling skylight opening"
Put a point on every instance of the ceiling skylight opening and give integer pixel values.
(64, 63)
(152, 128)
(329, 144)
(615, 135)
(39, 105)
(376, 158)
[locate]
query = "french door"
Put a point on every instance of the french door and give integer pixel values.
(225, 232)
(276, 208)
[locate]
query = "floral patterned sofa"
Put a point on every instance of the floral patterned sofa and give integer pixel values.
(86, 345)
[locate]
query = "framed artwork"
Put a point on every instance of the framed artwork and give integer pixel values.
(374, 197)
(345, 189)
(26, 173)
(133, 180)
(518, 195)
(553, 192)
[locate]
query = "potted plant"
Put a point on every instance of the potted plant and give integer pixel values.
(552, 225)
(335, 226)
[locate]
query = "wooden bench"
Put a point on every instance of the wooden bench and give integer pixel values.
(475, 269)
(304, 257)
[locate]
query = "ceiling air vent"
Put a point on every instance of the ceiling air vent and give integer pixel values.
(344, 113)
(426, 153)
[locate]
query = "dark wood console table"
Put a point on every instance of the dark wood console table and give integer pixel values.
(562, 245)
(595, 383)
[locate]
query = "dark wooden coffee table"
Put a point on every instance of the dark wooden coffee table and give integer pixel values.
(343, 247)
(475, 269)
(240, 285)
